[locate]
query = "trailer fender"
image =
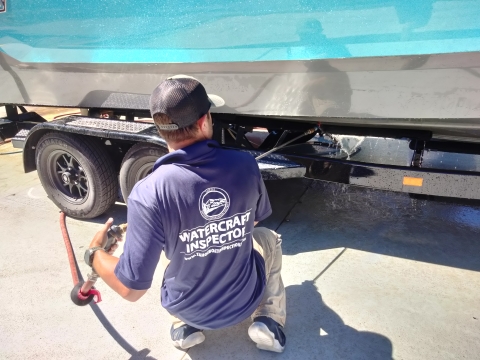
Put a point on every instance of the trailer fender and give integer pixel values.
(94, 127)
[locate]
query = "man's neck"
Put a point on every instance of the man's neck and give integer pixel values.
(180, 145)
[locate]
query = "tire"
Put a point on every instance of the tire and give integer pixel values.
(77, 174)
(137, 164)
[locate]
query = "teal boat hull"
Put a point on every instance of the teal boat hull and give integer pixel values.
(404, 64)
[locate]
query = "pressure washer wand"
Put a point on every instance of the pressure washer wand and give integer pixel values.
(308, 132)
(84, 292)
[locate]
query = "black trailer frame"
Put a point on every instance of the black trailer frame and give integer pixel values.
(319, 159)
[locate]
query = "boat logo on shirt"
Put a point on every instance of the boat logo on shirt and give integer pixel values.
(214, 203)
(3, 6)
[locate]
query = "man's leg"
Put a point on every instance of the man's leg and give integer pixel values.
(270, 316)
(183, 335)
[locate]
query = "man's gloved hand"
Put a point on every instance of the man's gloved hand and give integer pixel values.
(101, 237)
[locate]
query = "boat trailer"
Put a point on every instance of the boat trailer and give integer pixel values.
(402, 161)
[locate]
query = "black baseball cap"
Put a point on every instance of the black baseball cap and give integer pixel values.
(183, 99)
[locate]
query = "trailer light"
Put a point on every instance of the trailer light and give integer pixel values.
(411, 181)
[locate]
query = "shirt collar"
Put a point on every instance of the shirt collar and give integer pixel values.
(190, 155)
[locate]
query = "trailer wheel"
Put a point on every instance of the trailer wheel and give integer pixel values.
(78, 176)
(137, 164)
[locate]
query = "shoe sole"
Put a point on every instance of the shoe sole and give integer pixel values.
(192, 340)
(264, 338)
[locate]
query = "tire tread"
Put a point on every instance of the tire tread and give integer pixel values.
(100, 161)
(135, 153)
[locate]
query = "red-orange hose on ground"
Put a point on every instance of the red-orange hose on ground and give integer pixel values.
(68, 246)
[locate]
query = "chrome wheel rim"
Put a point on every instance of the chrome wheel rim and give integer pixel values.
(68, 176)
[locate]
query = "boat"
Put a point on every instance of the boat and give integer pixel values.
(311, 74)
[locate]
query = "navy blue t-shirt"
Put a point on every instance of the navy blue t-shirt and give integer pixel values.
(199, 206)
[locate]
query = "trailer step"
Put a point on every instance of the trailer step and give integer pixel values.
(18, 141)
(113, 125)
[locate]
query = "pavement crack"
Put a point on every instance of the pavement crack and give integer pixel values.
(295, 204)
(331, 263)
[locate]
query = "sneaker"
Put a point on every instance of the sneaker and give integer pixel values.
(186, 336)
(268, 334)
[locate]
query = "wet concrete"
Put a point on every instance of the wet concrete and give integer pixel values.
(407, 279)
(368, 274)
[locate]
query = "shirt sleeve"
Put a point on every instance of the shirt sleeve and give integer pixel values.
(143, 245)
(264, 208)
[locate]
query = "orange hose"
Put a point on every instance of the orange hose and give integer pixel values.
(68, 246)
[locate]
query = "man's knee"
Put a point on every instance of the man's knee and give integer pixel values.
(266, 238)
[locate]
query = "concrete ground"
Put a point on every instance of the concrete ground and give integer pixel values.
(368, 275)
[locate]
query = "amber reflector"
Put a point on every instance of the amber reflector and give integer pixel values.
(411, 181)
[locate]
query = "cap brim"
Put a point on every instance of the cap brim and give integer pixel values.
(215, 100)
(181, 76)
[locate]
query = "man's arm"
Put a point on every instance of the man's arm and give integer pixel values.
(264, 208)
(104, 264)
